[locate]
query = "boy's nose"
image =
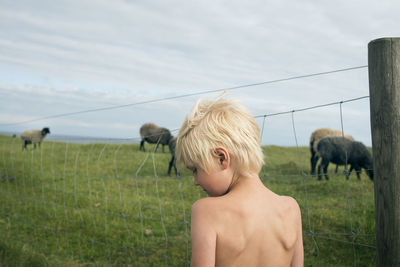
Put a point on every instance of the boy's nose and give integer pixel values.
(195, 181)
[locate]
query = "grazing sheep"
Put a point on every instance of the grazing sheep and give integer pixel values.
(154, 134)
(172, 145)
(33, 137)
(314, 139)
(340, 151)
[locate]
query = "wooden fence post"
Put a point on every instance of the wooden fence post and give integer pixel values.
(384, 91)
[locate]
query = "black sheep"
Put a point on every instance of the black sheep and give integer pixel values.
(317, 135)
(340, 151)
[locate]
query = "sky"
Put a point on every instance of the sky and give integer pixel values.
(132, 62)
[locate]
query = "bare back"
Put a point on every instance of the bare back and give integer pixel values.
(255, 227)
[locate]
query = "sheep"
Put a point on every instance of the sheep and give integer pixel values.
(33, 137)
(154, 134)
(342, 151)
(314, 139)
(172, 162)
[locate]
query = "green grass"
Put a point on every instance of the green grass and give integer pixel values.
(113, 205)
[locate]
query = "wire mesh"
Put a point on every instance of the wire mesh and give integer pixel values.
(103, 203)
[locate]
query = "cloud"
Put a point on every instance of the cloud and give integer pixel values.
(67, 56)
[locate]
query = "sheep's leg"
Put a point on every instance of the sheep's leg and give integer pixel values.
(312, 163)
(142, 145)
(337, 168)
(319, 171)
(314, 160)
(348, 173)
(326, 170)
(171, 162)
(370, 174)
(163, 148)
(323, 164)
(358, 171)
(34, 146)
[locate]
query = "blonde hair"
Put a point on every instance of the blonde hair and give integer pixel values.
(220, 123)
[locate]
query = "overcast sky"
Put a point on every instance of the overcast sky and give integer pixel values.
(59, 57)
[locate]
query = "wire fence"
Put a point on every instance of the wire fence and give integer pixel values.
(108, 203)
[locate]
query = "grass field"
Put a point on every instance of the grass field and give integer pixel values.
(112, 205)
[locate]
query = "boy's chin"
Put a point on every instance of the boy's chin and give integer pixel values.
(210, 194)
(213, 194)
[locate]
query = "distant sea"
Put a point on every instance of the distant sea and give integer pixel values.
(83, 139)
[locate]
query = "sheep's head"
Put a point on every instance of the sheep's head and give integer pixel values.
(45, 131)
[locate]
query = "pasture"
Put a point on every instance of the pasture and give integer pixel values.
(113, 205)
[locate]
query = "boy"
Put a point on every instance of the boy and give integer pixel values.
(241, 223)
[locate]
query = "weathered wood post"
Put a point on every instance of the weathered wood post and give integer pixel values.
(384, 91)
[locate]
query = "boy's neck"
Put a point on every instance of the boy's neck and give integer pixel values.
(252, 179)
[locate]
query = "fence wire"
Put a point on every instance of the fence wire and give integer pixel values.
(97, 203)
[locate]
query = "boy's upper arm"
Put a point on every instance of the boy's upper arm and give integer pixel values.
(203, 234)
(298, 256)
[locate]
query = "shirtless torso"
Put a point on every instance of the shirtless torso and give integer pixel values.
(249, 226)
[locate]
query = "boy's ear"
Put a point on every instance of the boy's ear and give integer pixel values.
(222, 156)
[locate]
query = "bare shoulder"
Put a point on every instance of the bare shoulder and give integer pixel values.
(293, 210)
(290, 204)
(289, 211)
(211, 211)
(205, 207)
(203, 216)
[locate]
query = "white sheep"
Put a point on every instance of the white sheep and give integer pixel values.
(33, 137)
(314, 139)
